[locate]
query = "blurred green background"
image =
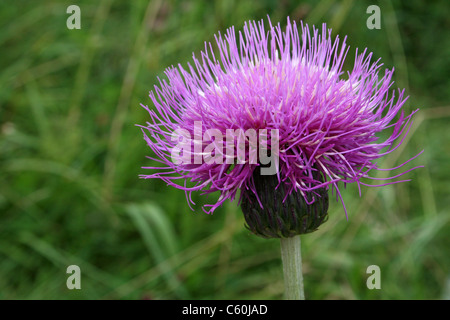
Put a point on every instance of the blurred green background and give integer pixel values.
(70, 156)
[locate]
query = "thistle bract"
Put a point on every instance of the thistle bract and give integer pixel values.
(283, 91)
(279, 214)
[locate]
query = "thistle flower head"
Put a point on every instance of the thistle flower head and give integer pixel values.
(288, 89)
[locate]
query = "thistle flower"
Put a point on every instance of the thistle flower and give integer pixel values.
(320, 123)
(282, 93)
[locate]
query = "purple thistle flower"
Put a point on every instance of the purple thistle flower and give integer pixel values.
(286, 82)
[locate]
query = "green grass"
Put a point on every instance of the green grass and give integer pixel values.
(70, 157)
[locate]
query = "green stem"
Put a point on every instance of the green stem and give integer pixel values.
(292, 268)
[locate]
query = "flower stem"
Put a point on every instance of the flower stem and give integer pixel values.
(292, 268)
